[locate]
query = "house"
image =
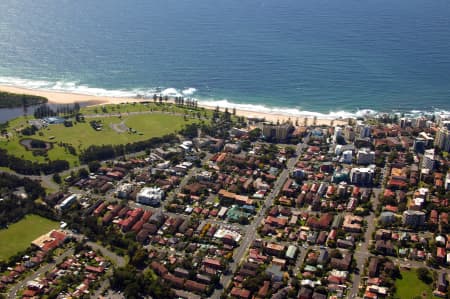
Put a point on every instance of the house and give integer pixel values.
(320, 223)
(343, 263)
(317, 295)
(194, 286)
(384, 247)
(50, 241)
(373, 267)
(305, 293)
(275, 272)
(176, 282)
(159, 268)
(213, 263)
(352, 223)
(348, 244)
(240, 293)
(181, 272)
(274, 249)
(442, 283)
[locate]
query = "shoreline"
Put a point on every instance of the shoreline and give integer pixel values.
(61, 97)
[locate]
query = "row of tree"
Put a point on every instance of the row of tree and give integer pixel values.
(12, 100)
(106, 152)
(57, 110)
(190, 103)
(28, 167)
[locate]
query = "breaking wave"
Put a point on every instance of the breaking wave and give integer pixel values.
(77, 88)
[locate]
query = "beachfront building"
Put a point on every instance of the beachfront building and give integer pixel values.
(275, 131)
(364, 131)
(442, 140)
(150, 196)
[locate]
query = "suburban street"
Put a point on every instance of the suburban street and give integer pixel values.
(362, 252)
(21, 284)
(250, 231)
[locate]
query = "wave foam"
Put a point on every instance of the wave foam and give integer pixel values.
(76, 87)
(294, 112)
(189, 91)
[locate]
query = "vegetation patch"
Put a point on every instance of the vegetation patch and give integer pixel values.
(410, 286)
(18, 236)
(12, 100)
(36, 145)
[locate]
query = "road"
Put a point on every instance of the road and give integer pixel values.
(250, 231)
(362, 252)
(22, 284)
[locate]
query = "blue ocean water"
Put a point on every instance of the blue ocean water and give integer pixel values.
(298, 56)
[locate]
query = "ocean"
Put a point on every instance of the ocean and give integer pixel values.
(302, 57)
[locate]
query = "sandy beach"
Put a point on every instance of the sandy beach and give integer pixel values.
(68, 98)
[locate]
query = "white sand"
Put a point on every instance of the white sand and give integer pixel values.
(68, 98)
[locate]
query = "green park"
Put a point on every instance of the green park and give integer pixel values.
(119, 124)
(410, 286)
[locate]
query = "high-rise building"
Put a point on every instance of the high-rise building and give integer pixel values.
(365, 156)
(349, 133)
(276, 131)
(442, 140)
(362, 176)
(428, 159)
(365, 131)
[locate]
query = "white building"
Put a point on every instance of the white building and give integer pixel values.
(413, 218)
(365, 157)
(362, 176)
(447, 181)
(67, 202)
(150, 196)
(337, 132)
(347, 157)
(364, 131)
(428, 159)
(442, 140)
(124, 190)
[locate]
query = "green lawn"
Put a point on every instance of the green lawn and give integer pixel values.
(409, 286)
(18, 236)
(141, 107)
(82, 135)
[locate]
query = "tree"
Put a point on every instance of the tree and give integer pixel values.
(94, 166)
(139, 258)
(57, 178)
(83, 173)
(424, 275)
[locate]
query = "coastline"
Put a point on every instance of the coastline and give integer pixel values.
(57, 97)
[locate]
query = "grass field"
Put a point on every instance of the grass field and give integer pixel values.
(18, 236)
(410, 286)
(141, 107)
(82, 135)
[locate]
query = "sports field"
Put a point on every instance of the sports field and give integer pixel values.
(18, 236)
